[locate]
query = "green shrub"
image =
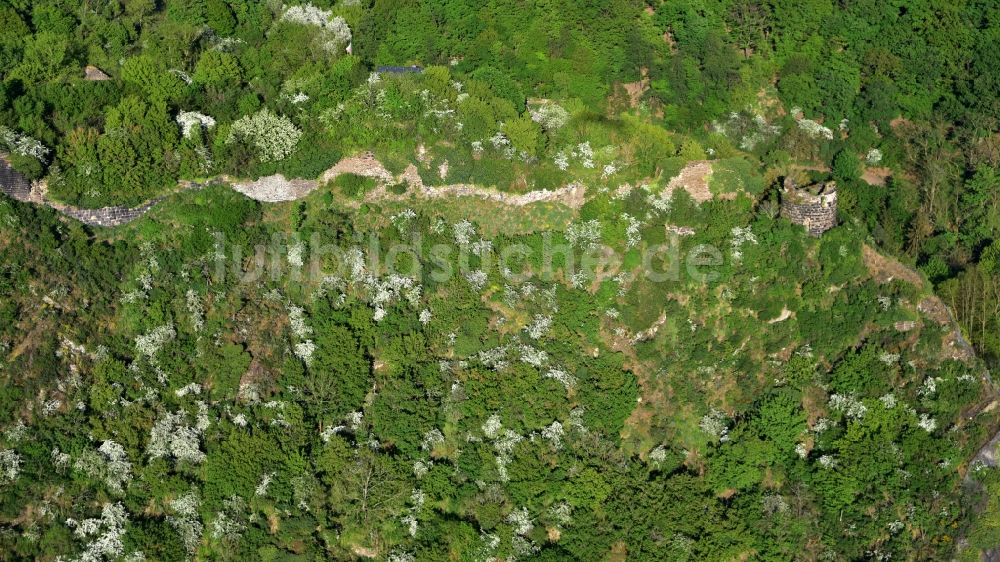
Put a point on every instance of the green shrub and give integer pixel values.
(353, 185)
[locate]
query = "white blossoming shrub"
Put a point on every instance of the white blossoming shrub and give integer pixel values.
(500, 141)
(410, 521)
(463, 231)
(273, 136)
(191, 388)
(265, 483)
(491, 429)
(108, 532)
(186, 520)
(741, 236)
(16, 432)
(151, 343)
(564, 378)
(823, 424)
(171, 436)
(851, 407)
(195, 309)
(307, 14)
(477, 279)
(111, 465)
(888, 358)
(561, 161)
(521, 521)
(550, 116)
(402, 220)
(10, 466)
(584, 235)
(22, 145)
(421, 468)
(60, 460)
(534, 357)
(504, 447)
(814, 129)
(747, 127)
(431, 439)
(297, 320)
(230, 523)
(585, 153)
(539, 327)
(335, 33)
(561, 513)
(715, 424)
(657, 456)
(295, 254)
(554, 434)
(482, 247)
(354, 420)
(929, 388)
(298, 98)
(632, 228)
(191, 121)
(801, 450)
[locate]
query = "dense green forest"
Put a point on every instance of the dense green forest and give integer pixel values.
(412, 361)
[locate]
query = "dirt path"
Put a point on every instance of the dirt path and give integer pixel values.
(277, 188)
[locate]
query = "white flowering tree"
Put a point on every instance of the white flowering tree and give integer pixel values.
(334, 33)
(273, 137)
(550, 116)
(192, 122)
(172, 436)
(10, 466)
(22, 145)
(110, 464)
(186, 520)
(105, 534)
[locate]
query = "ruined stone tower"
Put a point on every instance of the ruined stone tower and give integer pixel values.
(12, 182)
(813, 206)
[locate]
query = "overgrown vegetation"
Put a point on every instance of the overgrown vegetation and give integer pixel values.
(171, 392)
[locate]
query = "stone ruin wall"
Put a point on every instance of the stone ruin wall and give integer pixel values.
(817, 213)
(13, 183)
(16, 186)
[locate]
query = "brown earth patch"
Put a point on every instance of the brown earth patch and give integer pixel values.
(885, 269)
(693, 179)
(785, 315)
(876, 176)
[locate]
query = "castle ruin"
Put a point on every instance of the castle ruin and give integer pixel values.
(12, 182)
(813, 206)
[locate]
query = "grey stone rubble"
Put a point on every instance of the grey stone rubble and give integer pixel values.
(275, 189)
